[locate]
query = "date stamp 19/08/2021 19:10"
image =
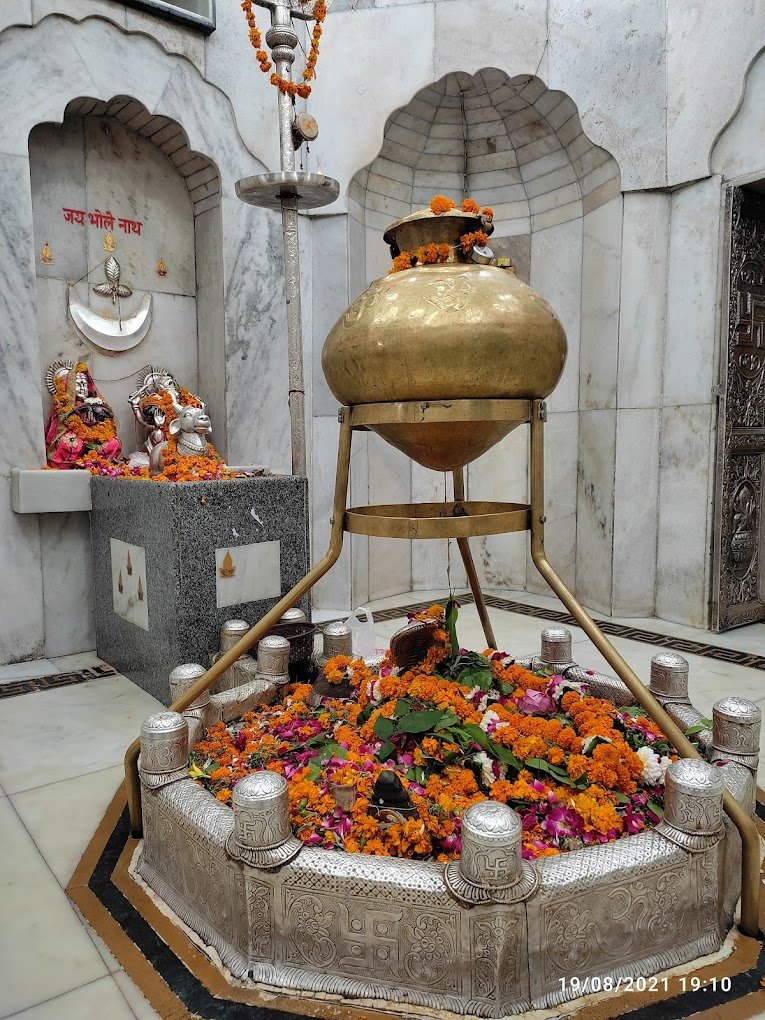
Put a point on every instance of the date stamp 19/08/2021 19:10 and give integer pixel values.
(679, 985)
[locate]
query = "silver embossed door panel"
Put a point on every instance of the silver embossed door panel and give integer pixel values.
(737, 582)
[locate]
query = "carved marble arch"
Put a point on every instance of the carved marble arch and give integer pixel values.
(114, 179)
(738, 582)
(506, 141)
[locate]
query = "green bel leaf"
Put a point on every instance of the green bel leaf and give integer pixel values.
(384, 727)
(386, 751)
(420, 722)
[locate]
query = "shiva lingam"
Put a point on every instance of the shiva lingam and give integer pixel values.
(443, 359)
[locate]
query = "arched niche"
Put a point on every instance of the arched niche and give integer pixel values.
(118, 160)
(243, 343)
(514, 144)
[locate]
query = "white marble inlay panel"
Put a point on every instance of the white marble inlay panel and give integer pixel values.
(595, 509)
(682, 591)
(556, 274)
(501, 475)
(493, 46)
(34, 91)
(18, 13)
(709, 46)
(329, 250)
(601, 270)
(21, 620)
(561, 457)
(689, 359)
(19, 354)
(79, 9)
(636, 500)
(130, 590)
(434, 559)
(67, 583)
(390, 481)
(127, 175)
(247, 573)
(596, 53)
(738, 150)
(211, 323)
(171, 37)
(351, 131)
(643, 299)
(256, 337)
(57, 170)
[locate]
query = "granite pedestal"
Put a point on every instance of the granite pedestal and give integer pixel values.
(173, 562)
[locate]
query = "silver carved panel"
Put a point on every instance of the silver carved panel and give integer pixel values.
(737, 582)
(360, 926)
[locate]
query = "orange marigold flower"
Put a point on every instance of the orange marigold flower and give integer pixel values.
(441, 204)
(488, 212)
(469, 206)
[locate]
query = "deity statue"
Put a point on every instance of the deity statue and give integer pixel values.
(81, 422)
(176, 420)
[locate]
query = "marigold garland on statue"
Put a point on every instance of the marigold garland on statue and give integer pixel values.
(456, 729)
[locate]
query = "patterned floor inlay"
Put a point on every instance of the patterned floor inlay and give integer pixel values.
(181, 983)
(48, 683)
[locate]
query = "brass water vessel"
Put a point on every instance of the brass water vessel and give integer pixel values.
(453, 330)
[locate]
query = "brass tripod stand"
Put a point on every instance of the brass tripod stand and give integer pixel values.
(463, 519)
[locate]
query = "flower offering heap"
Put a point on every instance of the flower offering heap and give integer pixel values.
(456, 728)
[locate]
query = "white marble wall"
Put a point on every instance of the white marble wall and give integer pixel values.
(652, 261)
(97, 163)
(51, 556)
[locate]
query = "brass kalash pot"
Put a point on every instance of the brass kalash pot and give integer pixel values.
(451, 330)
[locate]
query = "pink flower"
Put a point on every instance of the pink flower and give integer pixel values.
(562, 822)
(536, 703)
(240, 741)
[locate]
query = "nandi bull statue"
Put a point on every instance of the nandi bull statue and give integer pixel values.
(156, 402)
(190, 427)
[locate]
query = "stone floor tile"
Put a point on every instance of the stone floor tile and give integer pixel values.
(54, 735)
(44, 950)
(49, 813)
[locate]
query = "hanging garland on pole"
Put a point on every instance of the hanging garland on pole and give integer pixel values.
(285, 85)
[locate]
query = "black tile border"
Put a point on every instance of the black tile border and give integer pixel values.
(201, 1003)
(649, 637)
(49, 683)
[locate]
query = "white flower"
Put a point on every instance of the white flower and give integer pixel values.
(483, 703)
(488, 719)
(487, 767)
(653, 767)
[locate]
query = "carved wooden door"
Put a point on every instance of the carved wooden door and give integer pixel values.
(738, 581)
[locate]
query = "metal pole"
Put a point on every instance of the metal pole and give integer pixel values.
(467, 559)
(245, 643)
(282, 38)
(750, 840)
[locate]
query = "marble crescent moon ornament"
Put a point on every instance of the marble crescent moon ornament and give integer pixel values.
(110, 334)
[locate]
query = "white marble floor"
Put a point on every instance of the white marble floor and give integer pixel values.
(60, 763)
